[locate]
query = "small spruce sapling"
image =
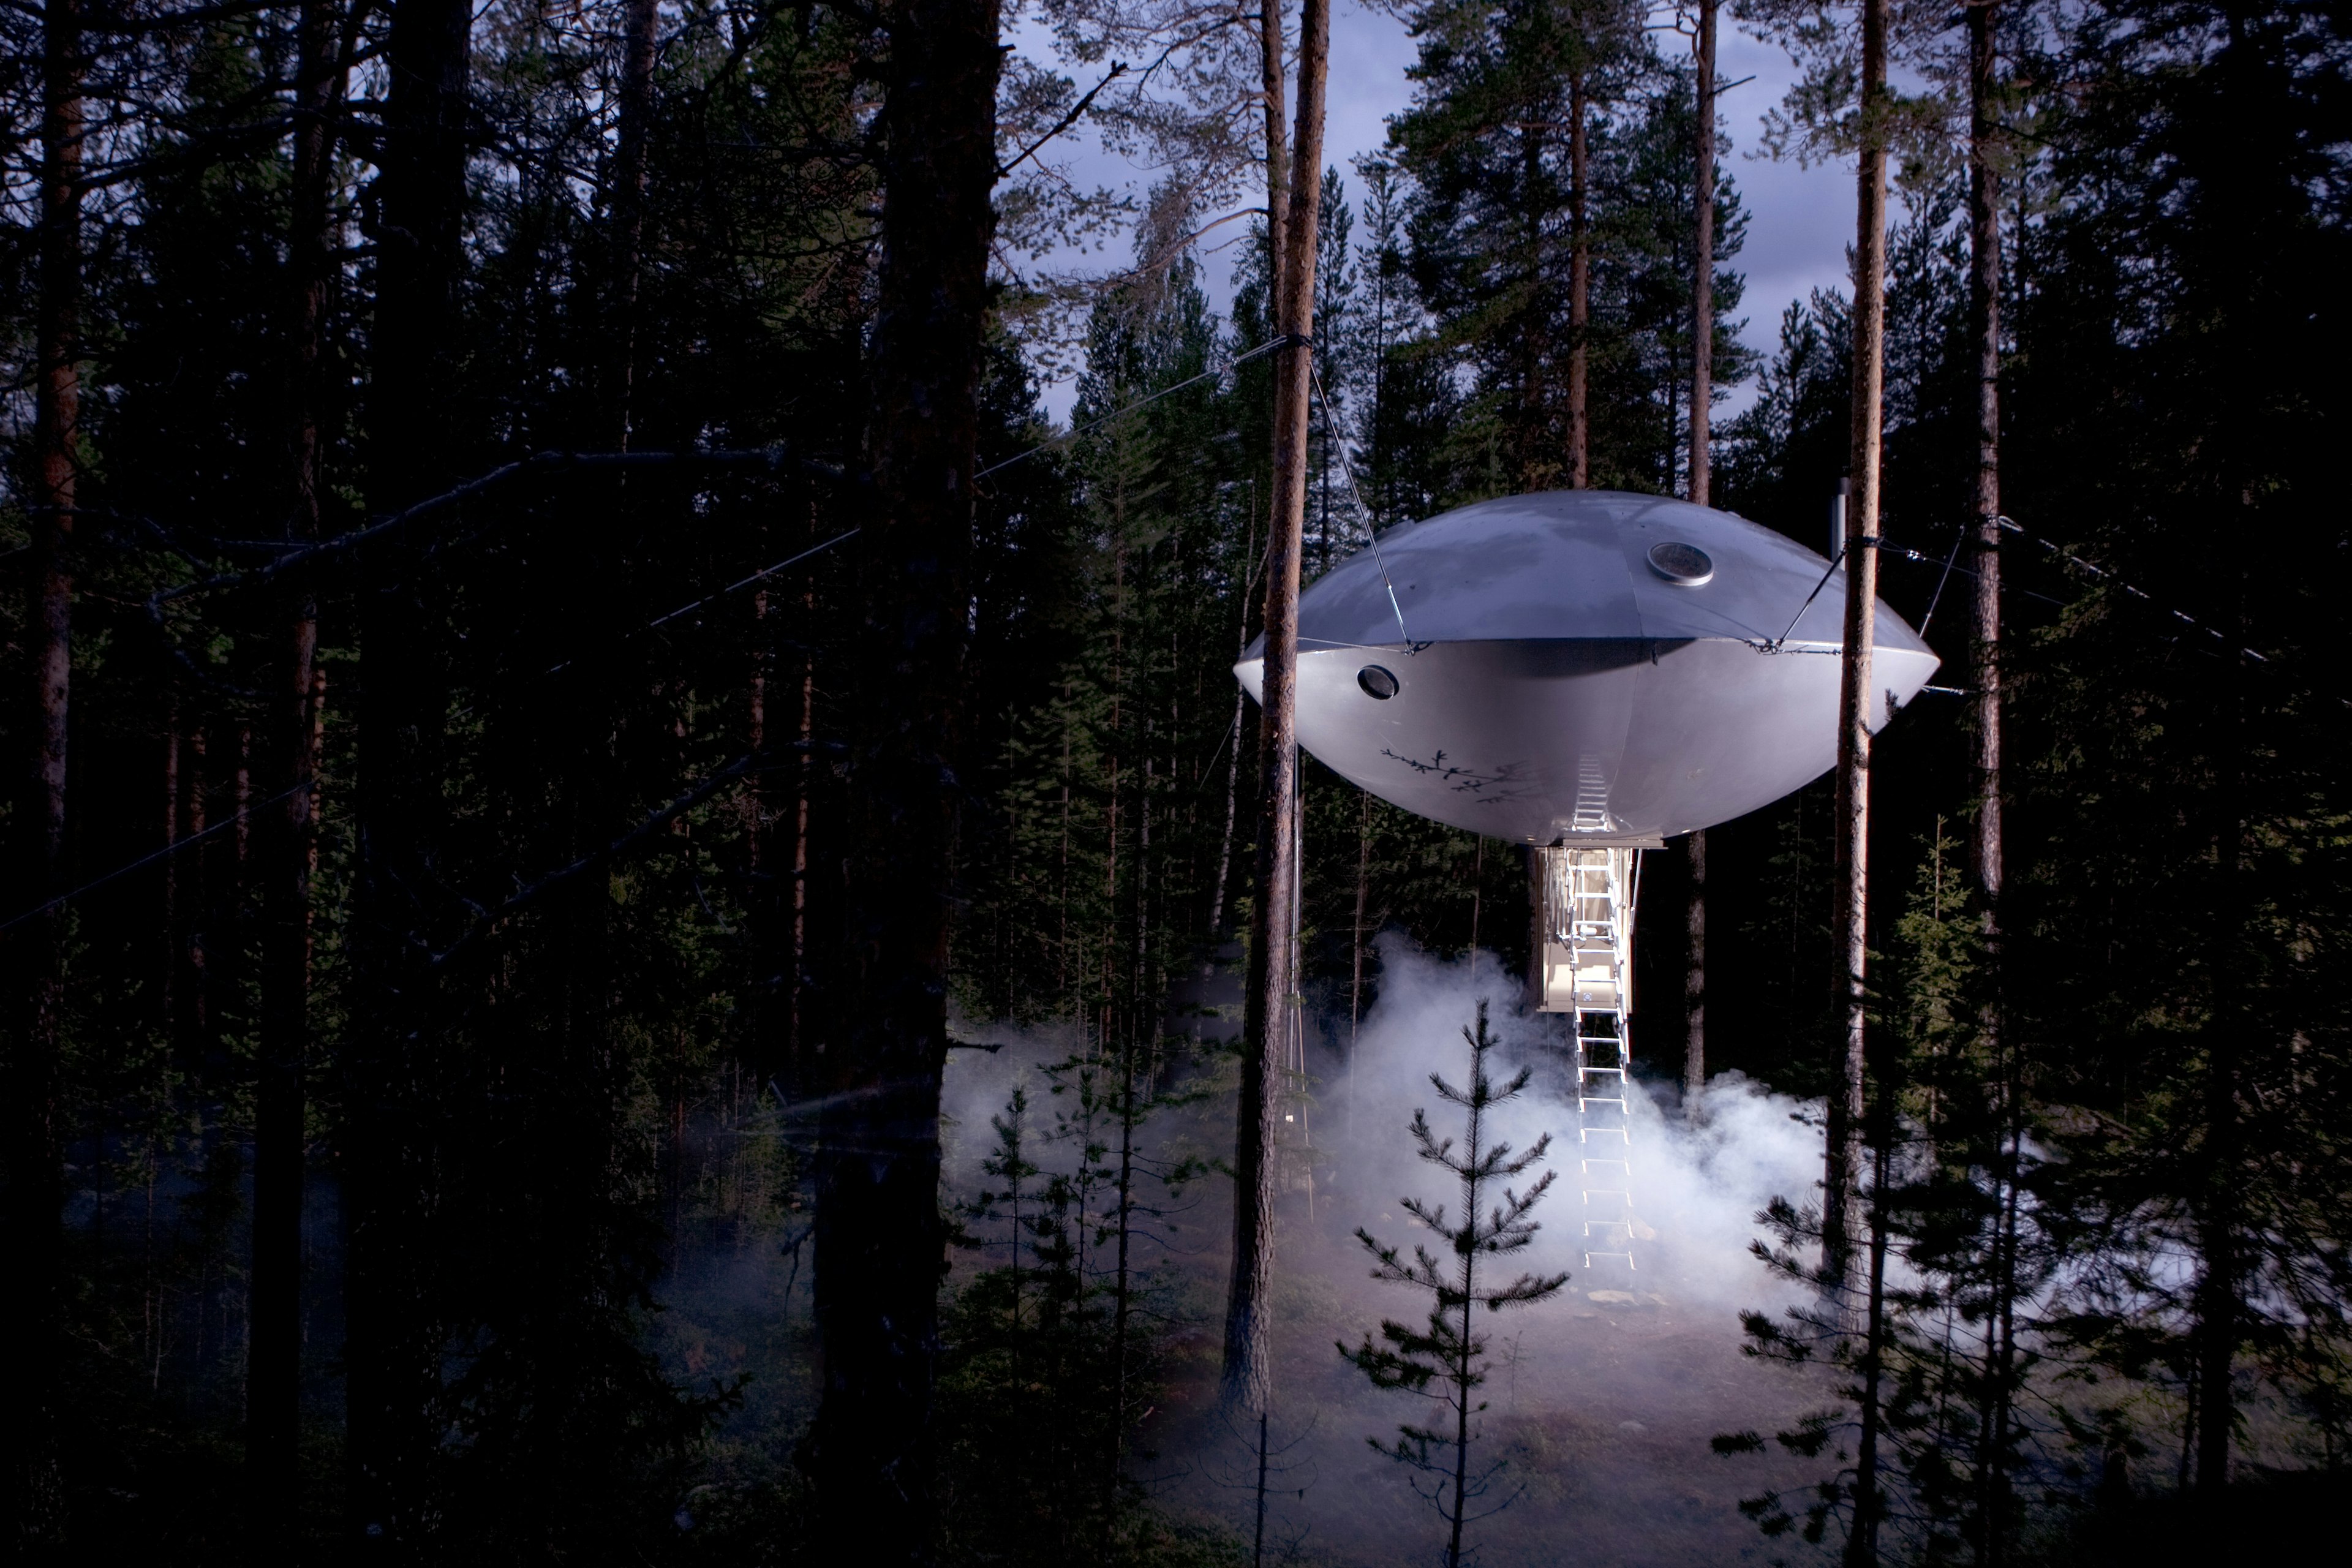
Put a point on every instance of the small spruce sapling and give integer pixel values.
(1446, 1361)
(1010, 1164)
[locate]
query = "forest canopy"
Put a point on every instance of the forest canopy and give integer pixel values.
(564, 688)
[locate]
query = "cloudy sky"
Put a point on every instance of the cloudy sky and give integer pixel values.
(1800, 220)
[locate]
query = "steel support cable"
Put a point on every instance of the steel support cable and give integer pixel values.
(177, 844)
(761, 575)
(1371, 530)
(1947, 568)
(694, 794)
(166, 853)
(1959, 536)
(770, 457)
(2104, 574)
(1902, 554)
(2009, 525)
(1780, 643)
(1213, 373)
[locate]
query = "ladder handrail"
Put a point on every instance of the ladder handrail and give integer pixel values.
(1587, 930)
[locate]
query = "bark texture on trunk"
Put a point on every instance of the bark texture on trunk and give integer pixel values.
(1842, 1195)
(36, 964)
(1248, 1373)
(1869, 1505)
(796, 1009)
(194, 1038)
(2225, 1244)
(1695, 977)
(167, 1009)
(392, 1180)
(274, 1352)
(631, 163)
(1984, 298)
(1985, 851)
(1702, 397)
(880, 1248)
(1580, 278)
(1277, 172)
(2215, 1299)
(274, 1356)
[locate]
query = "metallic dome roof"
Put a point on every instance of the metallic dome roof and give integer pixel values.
(1582, 666)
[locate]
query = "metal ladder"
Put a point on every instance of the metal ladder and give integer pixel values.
(1588, 973)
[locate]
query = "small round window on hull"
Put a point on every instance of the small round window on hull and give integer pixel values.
(1378, 683)
(1685, 565)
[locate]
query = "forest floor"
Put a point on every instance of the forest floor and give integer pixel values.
(1603, 1411)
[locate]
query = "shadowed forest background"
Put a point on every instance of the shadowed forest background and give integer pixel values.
(442, 932)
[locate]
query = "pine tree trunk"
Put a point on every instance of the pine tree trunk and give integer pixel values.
(1840, 1213)
(2217, 1200)
(273, 1375)
(880, 1243)
(241, 794)
(1248, 1372)
(167, 1010)
(1533, 863)
(35, 1157)
(794, 1018)
(1233, 756)
(392, 1187)
(2213, 1337)
(1122, 1286)
(1580, 278)
(631, 161)
(1363, 892)
(1232, 805)
(1702, 396)
(758, 814)
(1537, 461)
(195, 1036)
(1984, 291)
(1869, 1507)
(1695, 978)
(1702, 392)
(1277, 172)
(1985, 850)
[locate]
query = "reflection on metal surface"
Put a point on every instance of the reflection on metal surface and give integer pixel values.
(1564, 687)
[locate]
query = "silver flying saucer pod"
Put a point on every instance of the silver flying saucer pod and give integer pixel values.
(1584, 667)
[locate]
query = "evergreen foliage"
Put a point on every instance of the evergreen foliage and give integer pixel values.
(1448, 1352)
(609, 735)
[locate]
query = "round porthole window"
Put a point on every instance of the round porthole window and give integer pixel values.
(1377, 682)
(1685, 565)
